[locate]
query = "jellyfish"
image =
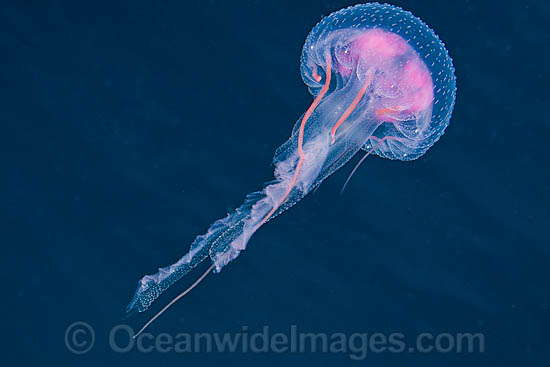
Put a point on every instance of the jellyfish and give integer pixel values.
(382, 82)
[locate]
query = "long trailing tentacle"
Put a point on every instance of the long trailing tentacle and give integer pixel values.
(174, 300)
(361, 161)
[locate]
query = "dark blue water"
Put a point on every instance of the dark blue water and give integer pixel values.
(130, 126)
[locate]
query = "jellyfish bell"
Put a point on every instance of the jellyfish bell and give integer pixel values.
(411, 83)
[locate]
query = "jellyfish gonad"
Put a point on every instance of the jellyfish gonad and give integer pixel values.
(382, 82)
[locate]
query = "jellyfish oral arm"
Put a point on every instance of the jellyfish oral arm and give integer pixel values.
(227, 237)
(283, 173)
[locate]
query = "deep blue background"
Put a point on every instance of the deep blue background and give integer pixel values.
(129, 126)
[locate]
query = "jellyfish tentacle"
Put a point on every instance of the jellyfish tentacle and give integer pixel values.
(301, 156)
(353, 104)
(362, 160)
(177, 298)
(314, 74)
(387, 110)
